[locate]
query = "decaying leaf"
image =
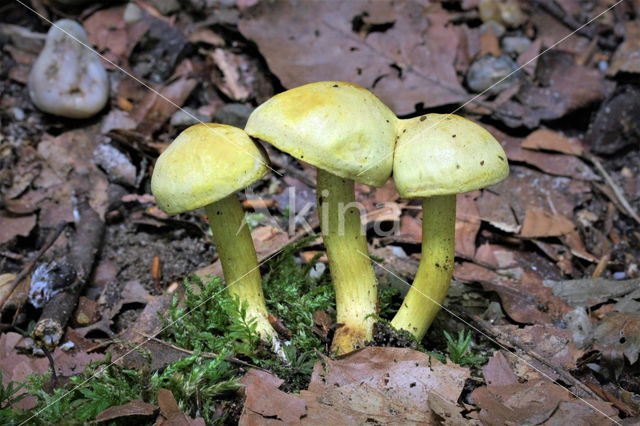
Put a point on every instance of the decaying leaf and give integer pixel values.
(265, 400)
(617, 334)
(404, 52)
(538, 402)
(132, 410)
(385, 385)
(591, 292)
(380, 385)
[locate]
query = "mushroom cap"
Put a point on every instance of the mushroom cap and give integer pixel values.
(204, 164)
(336, 126)
(444, 154)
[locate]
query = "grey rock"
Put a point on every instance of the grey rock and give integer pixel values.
(515, 45)
(186, 117)
(486, 71)
(67, 79)
(233, 115)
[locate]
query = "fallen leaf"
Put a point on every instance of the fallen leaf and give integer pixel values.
(127, 412)
(590, 292)
(548, 341)
(545, 139)
(265, 400)
(619, 333)
(13, 226)
(383, 385)
(407, 61)
(176, 91)
(525, 300)
(554, 164)
(627, 56)
(467, 224)
(537, 402)
(497, 372)
(496, 210)
(541, 223)
(550, 193)
(561, 87)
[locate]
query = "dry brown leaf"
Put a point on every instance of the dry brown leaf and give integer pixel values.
(537, 402)
(619, 333)
(404, 52)
(467, 225)
(525, 300)
(129, 411)
(561, 87)
(177, 90)
(498, 372)
(12, 226)
(545, 139)
(495, 209)
(554, 164)
(559, 194)
(541, 223)
(265, 400)
(385, 385)
(107, 31)
(548, 341)
(627, 56)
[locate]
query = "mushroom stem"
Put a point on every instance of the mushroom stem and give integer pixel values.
(353, 277)
(436, 266)
(240, 262)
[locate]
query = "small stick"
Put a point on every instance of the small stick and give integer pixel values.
(209, 355)
(51, 363)
(51, 238)
(616, 190)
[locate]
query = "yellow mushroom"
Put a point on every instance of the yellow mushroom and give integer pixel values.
(438, 156)
(204, 167)
(348, 135)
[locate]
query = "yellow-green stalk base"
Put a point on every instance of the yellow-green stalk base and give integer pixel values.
(432, 280)
(239, 261)
(353, 277)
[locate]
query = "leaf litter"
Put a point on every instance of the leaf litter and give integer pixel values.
(527, 246)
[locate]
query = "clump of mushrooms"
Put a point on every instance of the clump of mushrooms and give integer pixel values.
(348, 134)
(436, 157)
(204, 167)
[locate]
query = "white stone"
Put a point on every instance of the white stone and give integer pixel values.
(68, 79)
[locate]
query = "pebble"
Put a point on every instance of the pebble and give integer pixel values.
(18, 113)
(498, 29)
(132, 13)
(187, 116)
(233, 115)
(620, 275)
(67, 79)
(487, 70)
(515, 45)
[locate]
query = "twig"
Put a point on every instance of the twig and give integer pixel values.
(616, 190)
(210, 355)
(506, 340)
(557, 12)
(51, 238)
(54, 378)
(83, 247)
